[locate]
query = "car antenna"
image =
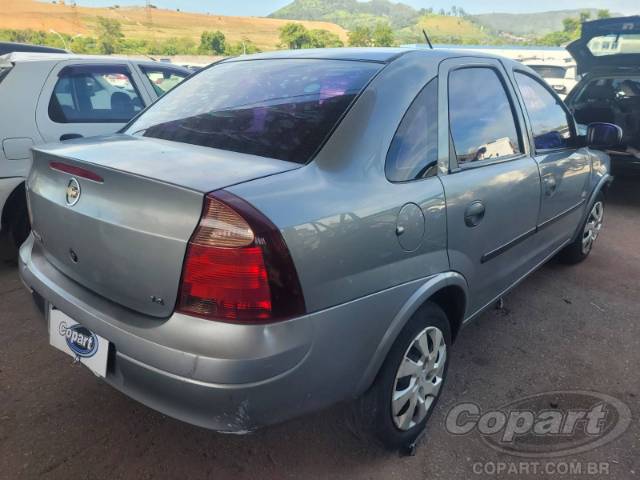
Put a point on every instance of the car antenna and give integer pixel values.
(426, 37)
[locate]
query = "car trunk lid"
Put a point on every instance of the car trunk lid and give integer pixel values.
(607, 44)
(116, 213)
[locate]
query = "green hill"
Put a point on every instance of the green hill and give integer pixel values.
(350, 13)
(529, 24)
(406, 22)
(455, 27)
(446, 29)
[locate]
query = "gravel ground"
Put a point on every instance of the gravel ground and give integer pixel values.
(564, 328)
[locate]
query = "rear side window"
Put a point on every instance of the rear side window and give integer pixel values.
(549, 121)
(481, 116)
(94, 94)
(163, 79)
(413, 153)
(282, 108)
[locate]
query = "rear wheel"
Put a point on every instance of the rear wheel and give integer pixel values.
(396, 408)
(577, 251)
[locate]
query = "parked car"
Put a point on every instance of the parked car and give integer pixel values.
(51, 97)
(608, 58)
(562, 78)
(9, 47)
(246, 252)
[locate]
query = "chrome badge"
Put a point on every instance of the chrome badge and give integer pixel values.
(73, 192)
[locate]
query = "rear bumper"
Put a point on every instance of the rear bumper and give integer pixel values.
(206, 373)
(230, 378)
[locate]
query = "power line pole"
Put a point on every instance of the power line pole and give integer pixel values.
(149, 19)
(76, 18)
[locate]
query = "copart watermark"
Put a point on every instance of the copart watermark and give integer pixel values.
(550, 469)
(546, 425)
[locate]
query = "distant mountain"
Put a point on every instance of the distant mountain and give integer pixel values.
(350, 13)
(407, 22)
(529, 24)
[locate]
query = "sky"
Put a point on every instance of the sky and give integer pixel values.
(264, 7)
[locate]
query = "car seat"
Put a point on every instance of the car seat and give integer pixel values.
(121, 105)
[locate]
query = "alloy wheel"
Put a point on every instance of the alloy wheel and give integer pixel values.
(419, 378)
(592, 227)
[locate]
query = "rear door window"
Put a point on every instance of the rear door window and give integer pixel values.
(277, 108)
(549, 120)
(481, 116)
(413, 153)
(94, 94)
(163, 79)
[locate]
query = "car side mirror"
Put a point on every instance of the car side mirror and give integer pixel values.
(603, 135)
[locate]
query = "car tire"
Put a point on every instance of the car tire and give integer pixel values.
(20, 227)
(590, 229)
(376, 415)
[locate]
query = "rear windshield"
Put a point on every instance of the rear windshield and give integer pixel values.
(614, 44)
(281, 109)
(548, 71)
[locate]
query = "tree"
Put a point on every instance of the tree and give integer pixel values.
(242, 47)
(294, 35)
(571, 30)
(83, 45)
(213, 42)
(604, 13)
(324, 39)
(360, 36)
(570, 25)
(382, 35)
(110, 35)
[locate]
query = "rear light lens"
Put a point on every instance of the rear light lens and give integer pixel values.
(76, 171)
(237, 267)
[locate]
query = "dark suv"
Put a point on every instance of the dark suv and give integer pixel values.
(608, 58)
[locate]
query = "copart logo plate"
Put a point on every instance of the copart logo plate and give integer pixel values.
(80, 340)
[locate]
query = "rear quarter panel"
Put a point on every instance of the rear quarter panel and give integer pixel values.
(338, 214)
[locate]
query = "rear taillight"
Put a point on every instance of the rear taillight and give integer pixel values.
(237, 267)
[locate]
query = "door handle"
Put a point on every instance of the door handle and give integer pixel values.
(474, 214)
(69, 136)
(550, 185)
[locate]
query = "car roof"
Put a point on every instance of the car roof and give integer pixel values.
(21, 57)
(352, 53)
(8, 47)
(56, 57)
(366, 54)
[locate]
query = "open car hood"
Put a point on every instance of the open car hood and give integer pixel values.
(606, 44)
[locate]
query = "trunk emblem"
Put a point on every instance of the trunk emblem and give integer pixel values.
(73, 192)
